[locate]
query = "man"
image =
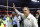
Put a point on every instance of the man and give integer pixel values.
(1, 22)
(29, 19)
(10, 20)
(15, 21)
(7, 21)
(38, 17)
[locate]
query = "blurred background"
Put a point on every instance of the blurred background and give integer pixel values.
(32, 4)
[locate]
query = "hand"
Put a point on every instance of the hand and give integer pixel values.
(14, 6)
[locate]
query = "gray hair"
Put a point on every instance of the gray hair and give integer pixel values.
(13, 13)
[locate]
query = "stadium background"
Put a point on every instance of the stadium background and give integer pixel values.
(33, 6)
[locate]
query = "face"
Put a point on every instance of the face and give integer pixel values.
(11, 15)
(26, 11)
(38, 11)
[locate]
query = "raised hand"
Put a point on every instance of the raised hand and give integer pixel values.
(14, 6)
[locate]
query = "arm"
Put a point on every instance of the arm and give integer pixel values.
(35, 24)
(16, 10)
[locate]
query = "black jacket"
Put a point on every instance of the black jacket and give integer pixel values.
(39, 21)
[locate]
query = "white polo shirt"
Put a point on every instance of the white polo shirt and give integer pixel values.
(29, 21)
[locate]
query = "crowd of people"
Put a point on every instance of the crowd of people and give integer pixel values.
(12, 20)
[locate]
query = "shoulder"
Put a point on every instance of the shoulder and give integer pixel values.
(32, 17)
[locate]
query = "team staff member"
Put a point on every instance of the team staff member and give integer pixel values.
(29, 19)
(1, 23)
(38, 17)
(16, 20)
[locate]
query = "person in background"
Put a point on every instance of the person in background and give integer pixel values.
(38, 18)
(29, 19)
(10, 20)
(21, 22)
(1, 22)
(7, 21)
(4, 20)
(4, 16)
(16, 20)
